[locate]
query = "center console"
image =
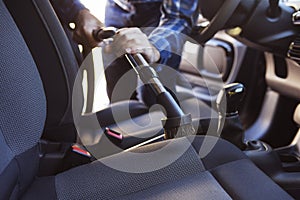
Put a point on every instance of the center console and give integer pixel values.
(281, 164)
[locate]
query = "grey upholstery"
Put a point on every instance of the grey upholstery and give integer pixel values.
(20, 79)
(59, 63)
(187, 171)
(219, 175)
(54, 57)
(23, 110)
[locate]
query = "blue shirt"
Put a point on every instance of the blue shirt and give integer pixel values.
(178, 18)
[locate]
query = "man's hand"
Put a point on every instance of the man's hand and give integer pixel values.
(85, 23)
(133, 40)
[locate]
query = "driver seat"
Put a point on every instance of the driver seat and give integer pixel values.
(192, 168)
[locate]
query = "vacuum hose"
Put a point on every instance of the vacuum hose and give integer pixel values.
(176, 123)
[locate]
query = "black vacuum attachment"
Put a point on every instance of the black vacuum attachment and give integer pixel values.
(176, 123)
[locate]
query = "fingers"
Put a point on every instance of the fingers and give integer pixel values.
(151, 54)
(85, 24)
(126, 40)
(133, 40)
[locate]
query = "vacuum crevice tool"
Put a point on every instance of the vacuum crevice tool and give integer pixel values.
(176, 123)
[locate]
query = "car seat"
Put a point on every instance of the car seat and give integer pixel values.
(224, 172)
(58, 68)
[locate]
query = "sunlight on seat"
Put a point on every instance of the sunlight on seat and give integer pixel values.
(97, 8)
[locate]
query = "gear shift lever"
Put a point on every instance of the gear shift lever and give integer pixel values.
(229, 98)
(274, 9)
(228, 101)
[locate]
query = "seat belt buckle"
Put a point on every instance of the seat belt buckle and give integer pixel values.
(80, 150)
(77, 155)
(113, 135)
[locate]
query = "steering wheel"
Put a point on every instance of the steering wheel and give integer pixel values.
(277, 22)
(217, 22)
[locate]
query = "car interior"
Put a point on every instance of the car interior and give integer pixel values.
(231, 130)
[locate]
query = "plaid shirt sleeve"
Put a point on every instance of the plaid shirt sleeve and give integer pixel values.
(67, 9)
(179, 16)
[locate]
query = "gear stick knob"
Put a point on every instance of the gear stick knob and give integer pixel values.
(274, 9)
(228, 101)
(230, 98)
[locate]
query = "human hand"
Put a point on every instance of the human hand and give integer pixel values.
(133, 40)
(85, 24)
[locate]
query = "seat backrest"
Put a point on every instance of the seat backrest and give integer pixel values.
(22, 110)
(55, 59)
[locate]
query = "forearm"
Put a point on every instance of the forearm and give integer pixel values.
(68, 9)
(175, 25)
(168, 39)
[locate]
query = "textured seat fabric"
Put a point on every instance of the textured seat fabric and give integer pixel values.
(186, 168)
(23, 110)
(54, 57)
(193, 168)
(59, 63)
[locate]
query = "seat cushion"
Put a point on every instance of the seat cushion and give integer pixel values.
(120, 111)
(136, 123)
(194, 167)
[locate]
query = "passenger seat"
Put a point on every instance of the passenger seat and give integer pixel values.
(223, 172)
(58, 68)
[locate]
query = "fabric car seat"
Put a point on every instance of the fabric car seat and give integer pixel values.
(224, 172)
(58, 67)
